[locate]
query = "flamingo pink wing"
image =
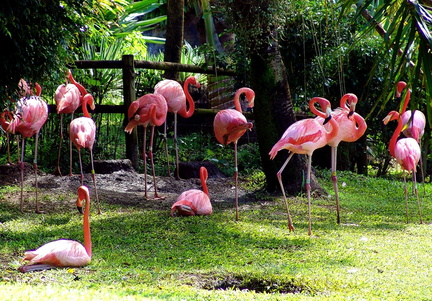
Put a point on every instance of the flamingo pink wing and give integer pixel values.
(82, 132)
(407, 153)
(59, 253)
(229, 125)
(173, 92)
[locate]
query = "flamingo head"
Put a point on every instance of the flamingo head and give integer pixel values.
(88, 99)
(250, 95)
(83, 194)
(392, 115)
(399, 88)
(349, 101)
(193, 81)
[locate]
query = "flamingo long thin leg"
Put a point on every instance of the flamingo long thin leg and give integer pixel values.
(236, 180)
(335, 182)
(279, 177)
(70, 153)
(166, 148)
(93, 175)
(81, 168)
(406, 198)
(35, 167)
(22, 174)
(176, 147)
(150, 154)
(144, 151)
(58, 172)
(417, 197)
(308, 189)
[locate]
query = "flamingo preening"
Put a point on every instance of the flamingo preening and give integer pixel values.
(30, 114)
(407, 153)
(149, 109)
(67, 98)
(176, 97)
(407, 150)
(82, 133)
(304, 137)
(351, 127)
(194, 201)
(63, 252)
(229, 125)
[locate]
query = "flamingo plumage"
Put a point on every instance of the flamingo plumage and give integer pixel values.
(229, 125)
(150, 109)
(30, 114)
(68, 99)
(177, 98)
(63, 252)
(351, 127)
(304, 137)
(82, 133)
(194, 201)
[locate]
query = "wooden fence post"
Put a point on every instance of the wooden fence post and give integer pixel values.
(129, 96)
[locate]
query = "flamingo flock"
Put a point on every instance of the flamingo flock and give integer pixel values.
(329, 127)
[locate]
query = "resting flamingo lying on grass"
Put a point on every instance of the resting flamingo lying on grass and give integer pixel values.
(63, 252)
(194, 201)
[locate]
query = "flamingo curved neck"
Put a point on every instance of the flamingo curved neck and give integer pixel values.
(237, 98)
(86, 228)
(395, 137)
(188, 113)
(84, 107)
(203, 178)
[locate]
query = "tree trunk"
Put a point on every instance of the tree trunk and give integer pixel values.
(274, 112)
(174, 35)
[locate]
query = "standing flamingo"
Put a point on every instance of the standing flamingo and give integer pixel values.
(304, 137)
(63, 252)
(30, 115)
(149, 109)
(82, 133)
(407, 152)
(176, 97)
(351, 127)
(67, 98)
(194, 201)
(229, 125)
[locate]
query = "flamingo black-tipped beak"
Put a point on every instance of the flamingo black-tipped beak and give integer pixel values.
(327, 119)
(80, 209)
(350, 114)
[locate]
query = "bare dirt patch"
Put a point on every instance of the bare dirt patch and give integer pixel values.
(117, 185)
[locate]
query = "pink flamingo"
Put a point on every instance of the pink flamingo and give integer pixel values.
(229, 125)
(63, 252)
(304, 137)
(176, 97)
(149, 109)
(67, 98)
(351, 127)
(82, 133)
(407, 152)
(30, 115)
(24, 90)
(194, 201)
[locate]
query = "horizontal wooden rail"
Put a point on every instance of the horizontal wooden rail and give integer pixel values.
(153, 65)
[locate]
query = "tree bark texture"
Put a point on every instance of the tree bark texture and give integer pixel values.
(174, 35)
(273, 115)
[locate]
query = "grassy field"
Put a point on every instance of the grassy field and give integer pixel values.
(374, 254)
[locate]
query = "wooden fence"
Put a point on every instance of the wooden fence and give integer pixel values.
(128, 66)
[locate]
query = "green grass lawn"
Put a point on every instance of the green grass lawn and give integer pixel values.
(140, 254)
